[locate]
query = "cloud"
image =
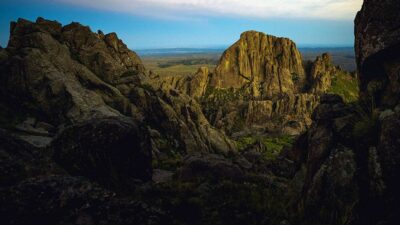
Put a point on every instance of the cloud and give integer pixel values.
(321, 9)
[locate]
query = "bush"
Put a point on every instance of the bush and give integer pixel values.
(366, 128)
(274, 145)
(346, 86)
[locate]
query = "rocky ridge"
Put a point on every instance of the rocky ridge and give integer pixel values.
(80, 119)
(260, 82)
(64, 75)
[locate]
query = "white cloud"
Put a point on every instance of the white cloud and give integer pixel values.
(323, 9)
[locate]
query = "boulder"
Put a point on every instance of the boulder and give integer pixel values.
(112, 151)
(210, 166)
(20, 160)
(62, 200)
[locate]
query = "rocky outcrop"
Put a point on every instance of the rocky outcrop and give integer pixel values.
(293, 112)
(377, 45)
(260, 83)
(112, 151)
(348, 162)
(266, 65)
(20, 160)
(194, 85)
(64, 75)
(111, 126)
(321, 74)
(209, 166)
(71, 200)
(326, 166)
(42, 74)
(178, 124)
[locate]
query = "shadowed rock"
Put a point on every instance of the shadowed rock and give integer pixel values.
(112, 151)
(70, 200)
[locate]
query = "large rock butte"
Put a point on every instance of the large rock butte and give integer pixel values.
(265, 64)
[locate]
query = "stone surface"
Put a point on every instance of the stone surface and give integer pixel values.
(65, 75)
(69, 200)
(194, 85)
(348, 160)
(112, 151)
(42, 74)
(321, 74)
(20, 160)
(377, 42)
(209, 166)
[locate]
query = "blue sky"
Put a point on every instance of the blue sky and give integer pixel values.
(146, 24)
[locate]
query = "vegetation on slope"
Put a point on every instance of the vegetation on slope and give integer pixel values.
(345, 85)
(273, 145)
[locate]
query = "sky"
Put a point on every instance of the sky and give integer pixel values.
(151, 24)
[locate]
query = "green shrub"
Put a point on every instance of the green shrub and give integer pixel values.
(366, 128)
(346, 86)
(274, 145)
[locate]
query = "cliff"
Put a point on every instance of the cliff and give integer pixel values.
(347, 163)
(376, 50)
(266, 65)
(260, 82)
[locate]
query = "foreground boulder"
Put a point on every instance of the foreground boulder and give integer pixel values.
(20, 160)
(68, 200)
(325, 181)
(112, 151)
(209, 166)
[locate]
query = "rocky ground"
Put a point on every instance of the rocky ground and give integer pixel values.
(88, 137)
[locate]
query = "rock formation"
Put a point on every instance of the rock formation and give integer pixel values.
(81, 121)
(348, 161)
(193, 85)
(321, 74)
(377, 39)
(259, 83)
(265, 64)
(64, 75)
(110, 127)
(111, 151)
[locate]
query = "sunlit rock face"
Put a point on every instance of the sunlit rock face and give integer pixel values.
(260, 81)
(265, 64)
